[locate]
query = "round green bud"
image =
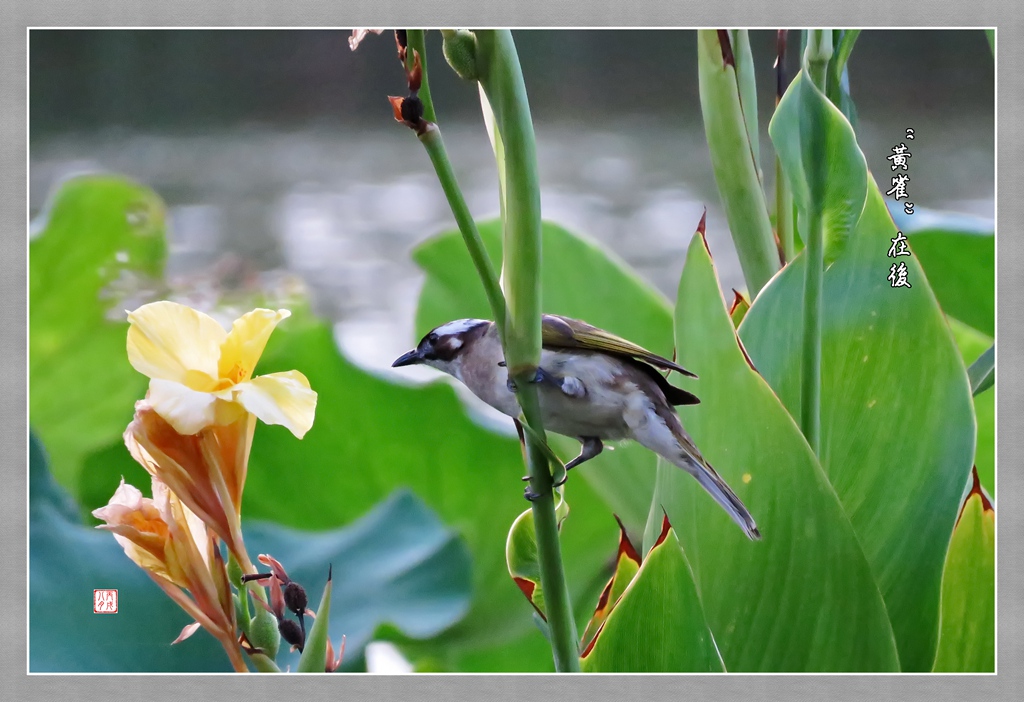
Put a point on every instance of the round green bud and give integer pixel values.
(460, 51)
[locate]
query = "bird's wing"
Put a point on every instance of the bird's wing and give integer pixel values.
(568, 333)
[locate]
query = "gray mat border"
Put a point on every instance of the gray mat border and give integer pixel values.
(533, 13)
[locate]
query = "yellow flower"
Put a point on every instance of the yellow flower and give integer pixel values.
(205, 470)
(175, 548)
(201, 375)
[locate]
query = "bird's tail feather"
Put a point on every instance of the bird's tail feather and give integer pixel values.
(711, 481)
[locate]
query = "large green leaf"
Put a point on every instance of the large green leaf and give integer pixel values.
(838, 79)
(398, 564)
(622, 304)
(972, 344)
(657, 625)
(370, 437)
(967, 637)
(101, 238)
(897, 430)
(823, 164)
(958, 254)
(726, 92)
(803, 598)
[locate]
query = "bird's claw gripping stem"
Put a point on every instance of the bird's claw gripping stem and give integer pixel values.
(540, 377)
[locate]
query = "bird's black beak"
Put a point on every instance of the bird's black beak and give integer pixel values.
(407, 359)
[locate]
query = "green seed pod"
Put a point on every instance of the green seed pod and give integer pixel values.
(263, 632)
(460, 51)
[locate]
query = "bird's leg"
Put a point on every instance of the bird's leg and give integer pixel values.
(592, 446)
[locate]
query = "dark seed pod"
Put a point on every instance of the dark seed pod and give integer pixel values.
(295, 598)
(412, 109)
(291, 632)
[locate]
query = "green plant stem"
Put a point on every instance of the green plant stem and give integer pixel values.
(810, 388)
(747, 85)
(434, 144)
(431, 140)
(816, 58)
(417, 40)
(732, 156)
(264, 664)
(784, 211)
(502, 81)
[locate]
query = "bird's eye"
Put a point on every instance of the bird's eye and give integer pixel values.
(432, 337)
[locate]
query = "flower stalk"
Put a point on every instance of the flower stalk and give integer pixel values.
(490, 57)
(816, 59)
(730, 126)
(501, 79)
(785, 224)
(420, 104)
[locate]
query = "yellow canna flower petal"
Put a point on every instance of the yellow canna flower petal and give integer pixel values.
(245, 343)
(174, 342)
(139, 528)
(280, 398)
(185, 409)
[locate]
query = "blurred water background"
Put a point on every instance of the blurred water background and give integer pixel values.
(278, 156)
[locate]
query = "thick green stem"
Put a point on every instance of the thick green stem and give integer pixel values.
(502, 81)
(816, 58)
(417, 41)
(731, 146)
(264, 664)
(784, 223)
(785, 220)
(810, 389)
(431, 140)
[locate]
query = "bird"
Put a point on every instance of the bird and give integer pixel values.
(592, 385)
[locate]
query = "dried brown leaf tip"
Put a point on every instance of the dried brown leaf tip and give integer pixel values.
(976, 489)
(739, 309)
(702, 230)
(737, 301)
(726, 44)
(626, 547)
(529, 587)
(665, 527)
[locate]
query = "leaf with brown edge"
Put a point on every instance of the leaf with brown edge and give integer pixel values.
(739, 308)
(658, 623)
(521, 557)
(627, 563)
(898, 427)
(521, 553)
(806, 587)
(967, 618)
